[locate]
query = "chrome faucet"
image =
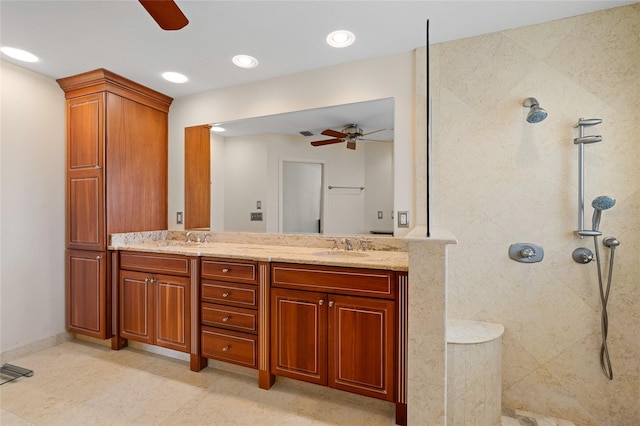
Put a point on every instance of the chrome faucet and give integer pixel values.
(335, 244)
(190, 234)
(347, 244)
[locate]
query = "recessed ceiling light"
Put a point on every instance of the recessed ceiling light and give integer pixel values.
(19, 54)
(245, 61)
(217, 129)
(174, 77)
(341, 38)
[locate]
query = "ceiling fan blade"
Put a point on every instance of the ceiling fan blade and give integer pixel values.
(325, 142)
(375, 131)
(334, 133)
(166, 13)
(351, 144)
(374, 140)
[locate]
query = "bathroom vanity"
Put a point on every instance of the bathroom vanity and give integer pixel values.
(332, 318)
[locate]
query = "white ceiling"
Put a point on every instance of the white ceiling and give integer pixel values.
(287, 37)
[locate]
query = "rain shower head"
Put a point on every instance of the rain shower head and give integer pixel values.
(603, 202)
(536, 114)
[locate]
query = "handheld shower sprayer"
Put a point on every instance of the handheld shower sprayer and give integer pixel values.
(599, 204)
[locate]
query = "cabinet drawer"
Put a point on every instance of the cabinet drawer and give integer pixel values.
(230, 317)
(242, 295)
(348, 281)
(230, 270)
(155, 263)
(228, 346)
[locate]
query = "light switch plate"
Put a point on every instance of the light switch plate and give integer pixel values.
(179, 218)
(256, 216)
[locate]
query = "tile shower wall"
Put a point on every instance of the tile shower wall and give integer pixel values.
(499, 180)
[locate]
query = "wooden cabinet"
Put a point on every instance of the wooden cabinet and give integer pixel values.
(337, 327)
(155, 307)
(344, 342)
(341, 327)
(229, 311)
(197, 177)
(86, 293)
(117, 157)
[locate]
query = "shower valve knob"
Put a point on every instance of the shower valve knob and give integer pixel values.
(582, 255)
(527, 253)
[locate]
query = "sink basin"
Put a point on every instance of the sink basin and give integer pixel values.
(340, 253)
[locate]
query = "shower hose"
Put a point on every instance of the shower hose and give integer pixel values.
(605, 362)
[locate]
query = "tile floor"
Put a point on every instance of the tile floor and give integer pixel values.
(81, 383)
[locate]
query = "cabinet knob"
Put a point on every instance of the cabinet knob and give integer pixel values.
(146, 280)
(331, 302)
(225, 319)
(321, 302)
(225, 270)
(97, 166)
(226, 348)
(98, 257)
(225, 294)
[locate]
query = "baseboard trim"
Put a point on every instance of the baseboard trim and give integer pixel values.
(33, 347)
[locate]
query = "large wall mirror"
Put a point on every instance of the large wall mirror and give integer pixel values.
(266, 176)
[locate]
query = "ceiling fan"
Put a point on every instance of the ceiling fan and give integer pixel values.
(166, 13)
(350, 134)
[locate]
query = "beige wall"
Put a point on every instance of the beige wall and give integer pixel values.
(499, 180)
(32, 162)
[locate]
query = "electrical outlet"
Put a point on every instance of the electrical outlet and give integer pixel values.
(403, 219)
(256, 216)
(379, 214)
(179, 218)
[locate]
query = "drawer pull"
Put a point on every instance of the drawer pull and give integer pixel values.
(98, 257)
(225, 270)
(321, 302)
(226, 348)
(225, 319)
(331, 302)
(225, 294)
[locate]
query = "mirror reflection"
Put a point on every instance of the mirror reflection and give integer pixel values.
(326, 170)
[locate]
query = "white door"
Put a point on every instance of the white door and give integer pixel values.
(302, 197)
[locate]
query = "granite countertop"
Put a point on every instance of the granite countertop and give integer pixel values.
(374, 259)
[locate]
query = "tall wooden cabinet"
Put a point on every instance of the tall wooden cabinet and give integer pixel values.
(117, 159)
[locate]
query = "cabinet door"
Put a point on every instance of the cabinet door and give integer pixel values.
(136, 167)
(298, 335)
(87, 302)
(136, 306)
(85, 137)
(85, 210)
(172, 312)
(197, 177)
(361, 341)
(85, 173)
